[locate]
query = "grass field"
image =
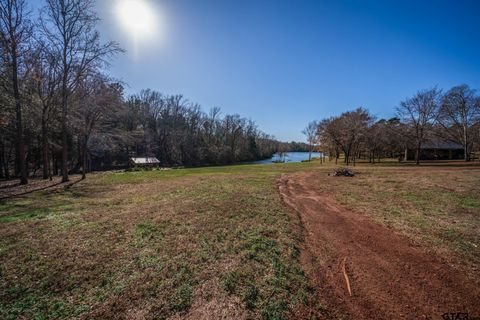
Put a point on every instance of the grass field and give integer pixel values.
(206, 242)
(436, 206)
(159, 244)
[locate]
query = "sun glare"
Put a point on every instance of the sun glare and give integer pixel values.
(137, 17)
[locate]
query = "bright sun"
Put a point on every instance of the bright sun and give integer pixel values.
(137, 18)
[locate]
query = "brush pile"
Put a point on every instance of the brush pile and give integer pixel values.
(343, 172)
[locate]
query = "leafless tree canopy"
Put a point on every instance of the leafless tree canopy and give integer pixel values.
(427, 116)
(458, 117)
(69, 29)
(62, 113)
(420, 112)
(310, 132)
(15, 39)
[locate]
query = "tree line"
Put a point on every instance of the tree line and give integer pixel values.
(62, 113)
(451, 116)
(178, 132)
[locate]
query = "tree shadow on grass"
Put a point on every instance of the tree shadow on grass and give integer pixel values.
(18, 190)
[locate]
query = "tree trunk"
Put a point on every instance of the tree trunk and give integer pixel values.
(6, 167)
(64, 110)
(64, 135)
(18, 111)
(417, 155)
(54, 170)
(89, 163)
(2, 159)
(46, 162)
(465, 144)
(84, 157)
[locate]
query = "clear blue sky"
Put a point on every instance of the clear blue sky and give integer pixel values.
(285, 63)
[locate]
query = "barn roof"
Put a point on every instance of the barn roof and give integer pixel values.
(144, 160)
(441, 144)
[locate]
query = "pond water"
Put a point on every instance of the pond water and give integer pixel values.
(289, 157)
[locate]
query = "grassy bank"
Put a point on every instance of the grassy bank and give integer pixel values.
(205, 242)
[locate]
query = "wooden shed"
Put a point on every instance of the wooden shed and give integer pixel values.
(146, 162)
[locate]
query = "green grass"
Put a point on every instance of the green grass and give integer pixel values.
(39, 213)
(157, 243)
(210, 242)
(138, 176)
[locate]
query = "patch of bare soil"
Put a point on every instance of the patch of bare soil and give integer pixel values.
(363, 270)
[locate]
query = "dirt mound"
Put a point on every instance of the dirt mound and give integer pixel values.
(389, 276)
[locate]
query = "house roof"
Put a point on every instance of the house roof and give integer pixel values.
(441, 144)
(144, 160)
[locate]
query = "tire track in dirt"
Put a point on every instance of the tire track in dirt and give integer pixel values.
(390, 277)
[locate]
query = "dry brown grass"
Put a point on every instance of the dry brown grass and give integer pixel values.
(436, 206)
(205, 243)
(194, 243)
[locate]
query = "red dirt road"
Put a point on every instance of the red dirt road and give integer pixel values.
(390, 277)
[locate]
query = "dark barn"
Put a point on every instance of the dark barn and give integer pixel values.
(438, 150)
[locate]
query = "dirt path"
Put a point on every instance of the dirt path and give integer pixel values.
(390, 277)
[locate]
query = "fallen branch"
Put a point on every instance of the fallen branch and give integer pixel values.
(346, 276)
(343, 172)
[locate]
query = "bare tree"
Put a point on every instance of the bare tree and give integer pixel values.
(458, 114)
(15, 36)
(420, 112)
(68, 114)
(345, 133)
(328, 135)
(7, 125)
(375, 139)
(234, 127)
(310, 132)
(355, 125)
(476, 134)
(69, 28)
(94, 110)
(45, 76)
